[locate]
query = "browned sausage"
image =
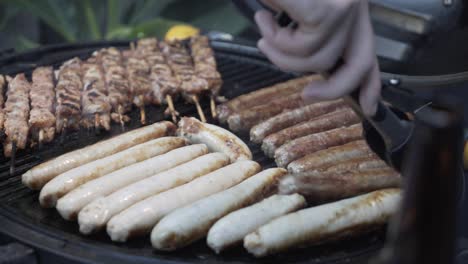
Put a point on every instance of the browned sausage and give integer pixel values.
(287, 119)
(302, 146)
(357, 164)
(262, 96)
(329, 186)
(335, 119)
(243, 121)
(331, 156)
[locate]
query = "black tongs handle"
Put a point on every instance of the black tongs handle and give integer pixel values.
(394, 130)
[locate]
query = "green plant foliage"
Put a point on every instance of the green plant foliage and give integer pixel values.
(84, 20)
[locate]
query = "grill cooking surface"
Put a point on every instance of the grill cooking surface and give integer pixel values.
(243, 70)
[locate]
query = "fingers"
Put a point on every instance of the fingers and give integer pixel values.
(266, 23)
(370, 91)
(272, 4)
(310, 36)
(358, 62)
(319, 61)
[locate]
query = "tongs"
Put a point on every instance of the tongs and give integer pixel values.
(386, 132)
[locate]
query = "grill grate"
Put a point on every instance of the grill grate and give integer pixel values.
(19, 206)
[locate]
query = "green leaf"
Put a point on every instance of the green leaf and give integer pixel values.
(45, 12)
(224, 18)
(156, 27)
(58, 8)
(7, 13)
(113, 14)
(91, 19)
(149, 9)
(24, 43)
(120, 32)
(187, 11)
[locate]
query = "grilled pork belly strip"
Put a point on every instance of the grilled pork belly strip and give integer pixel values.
(303, 146)
(69, 205)
(67, 181)
(338, 118)
(140, 218)
(118, 87)
(216, 138)
(331, 156)
(68, 95)
(290, 118)
(42, 118)
(325, 186)
(16, 114)
(323, 223)
(38, 176)
(95, 215)
(192, 222)
(246, 119)
(232, 228)
(263, 96)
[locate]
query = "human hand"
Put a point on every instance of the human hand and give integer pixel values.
(328, 31)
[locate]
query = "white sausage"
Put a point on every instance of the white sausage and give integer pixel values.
(324, 222)
(69, 205)
(38, 176)
(193, 221)
(140, 218)
(232, 228)
(73, 178)
(96, 214)
(216, 138)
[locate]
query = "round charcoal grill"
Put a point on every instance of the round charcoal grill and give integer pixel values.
(58, 241)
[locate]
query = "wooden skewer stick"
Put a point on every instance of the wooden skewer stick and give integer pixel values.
(142, 115)
(122, 123)
(97, 124)
(213, 107)
(64, 131)
(170, 103)
(199, 109)
(13, 156)
(41, 138)
(142, 111)
(96, 121)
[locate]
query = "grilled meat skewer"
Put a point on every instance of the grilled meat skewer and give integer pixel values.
(205, 67)
(180, 61)
(118, 86)
(138, 71)
(165, 86)
(16, 115)
(2, 101)
(68, 96)
(42, 119)
(94, 102)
